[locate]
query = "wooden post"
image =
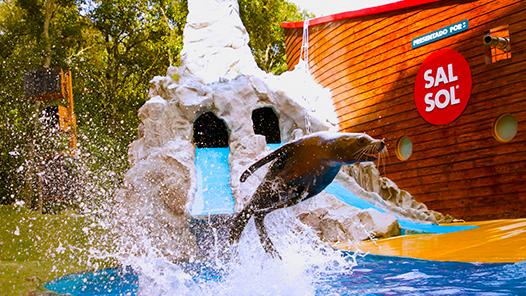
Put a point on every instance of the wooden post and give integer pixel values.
(40, 192)
(71, 119)
(28, 176)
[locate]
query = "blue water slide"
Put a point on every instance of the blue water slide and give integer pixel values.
(350, 198)
(214, 194)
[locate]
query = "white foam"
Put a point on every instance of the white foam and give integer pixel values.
(249, 270)
(412, 275)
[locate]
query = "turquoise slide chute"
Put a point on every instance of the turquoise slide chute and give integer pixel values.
(214, 194)
(348, 197)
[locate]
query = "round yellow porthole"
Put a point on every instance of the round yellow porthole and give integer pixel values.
(404, 148)
(505, 128)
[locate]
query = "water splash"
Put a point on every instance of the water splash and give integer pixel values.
(245, 269)
(304, 52)
(303, 66)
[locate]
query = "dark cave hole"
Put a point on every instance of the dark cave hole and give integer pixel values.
(210, 131)
(266, 123)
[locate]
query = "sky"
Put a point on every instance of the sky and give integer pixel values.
(326, 7)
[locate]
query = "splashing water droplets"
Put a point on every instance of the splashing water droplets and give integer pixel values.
(245, 269)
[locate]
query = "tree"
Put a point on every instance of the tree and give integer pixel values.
(113, 48)
(28, 27)
(262, 19)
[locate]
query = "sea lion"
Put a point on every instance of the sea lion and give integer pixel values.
(300, 170)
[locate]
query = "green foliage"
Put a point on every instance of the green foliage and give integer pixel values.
(113, 48)
(129, 43)
(262, 19)
(36, 248)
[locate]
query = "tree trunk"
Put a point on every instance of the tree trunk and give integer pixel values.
(48, 13)
(34, 163)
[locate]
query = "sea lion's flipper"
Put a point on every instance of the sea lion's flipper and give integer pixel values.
(263, 236)
(238, 223)
(278, 153)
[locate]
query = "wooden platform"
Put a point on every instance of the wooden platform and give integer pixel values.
(493, 242)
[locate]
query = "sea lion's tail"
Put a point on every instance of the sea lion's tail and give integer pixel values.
(238, 223)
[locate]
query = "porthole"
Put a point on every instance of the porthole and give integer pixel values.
(505, 128)
(404, 148)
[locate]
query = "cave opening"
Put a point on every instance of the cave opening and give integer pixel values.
(265, 122)
(210, 131)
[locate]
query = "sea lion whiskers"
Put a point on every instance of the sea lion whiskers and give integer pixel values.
(375, 149)
(360, 153)
(382, 159)
(369, 152)
(364, 152)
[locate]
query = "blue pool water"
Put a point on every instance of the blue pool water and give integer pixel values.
(374, 275)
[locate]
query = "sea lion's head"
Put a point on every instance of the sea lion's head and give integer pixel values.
(357, 147)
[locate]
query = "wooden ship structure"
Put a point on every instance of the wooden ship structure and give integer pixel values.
(444, 82)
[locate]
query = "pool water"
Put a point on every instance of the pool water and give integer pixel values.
(374, 275)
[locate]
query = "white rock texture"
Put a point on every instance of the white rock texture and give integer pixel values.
(336, 222)
(155, 196)
(376, 187)
(215, 42)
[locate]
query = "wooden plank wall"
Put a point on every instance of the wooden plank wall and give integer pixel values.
(370, 67)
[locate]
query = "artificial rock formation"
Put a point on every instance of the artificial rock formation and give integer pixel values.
(397, 200)
(218, 74)
(335, 221)
(163, 157)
